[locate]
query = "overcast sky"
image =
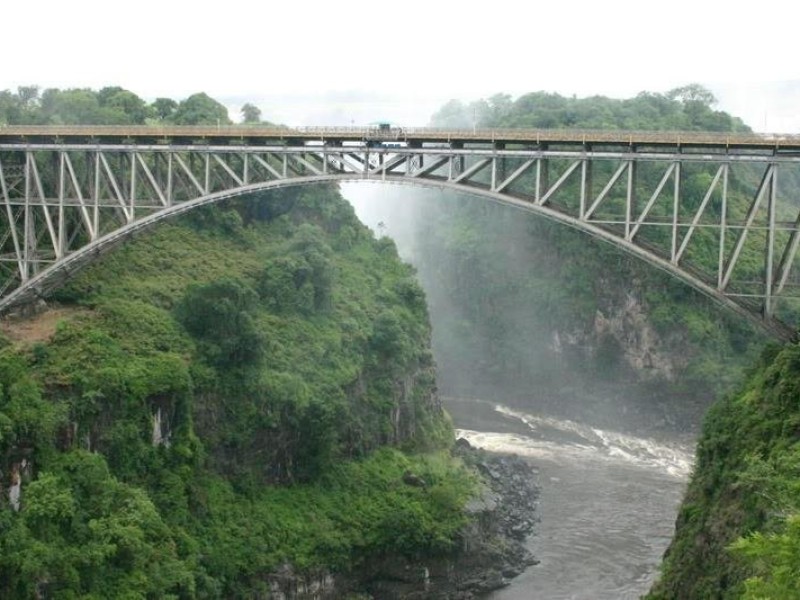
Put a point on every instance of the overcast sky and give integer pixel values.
(326, 62)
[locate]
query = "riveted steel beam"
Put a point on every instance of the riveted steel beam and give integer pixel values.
(66, 194)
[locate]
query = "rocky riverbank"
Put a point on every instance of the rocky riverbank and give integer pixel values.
(490, 553)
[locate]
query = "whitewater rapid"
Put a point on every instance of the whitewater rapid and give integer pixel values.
(607, 503)
(552, 438)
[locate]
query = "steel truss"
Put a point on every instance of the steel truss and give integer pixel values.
(64, 204)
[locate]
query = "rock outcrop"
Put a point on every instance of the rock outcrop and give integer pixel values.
(490, 553)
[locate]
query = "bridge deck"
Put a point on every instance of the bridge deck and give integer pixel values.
(414, 137)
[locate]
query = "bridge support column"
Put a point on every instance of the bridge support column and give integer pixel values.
(207, 179)
(4, 192)
(456, 167)
(723, 218)
(676, 204)
(498, 167)
(542, 179)
(60, 238)
(630, 198)
(170, 170)
(132, 210)
(96, 192)
(29, 234)
(586, 187)
(769, 254)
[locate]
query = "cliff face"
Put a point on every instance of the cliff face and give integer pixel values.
(622, 335)
(245, 393)
(736, 533)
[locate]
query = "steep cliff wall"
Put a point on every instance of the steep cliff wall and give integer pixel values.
(736, 533)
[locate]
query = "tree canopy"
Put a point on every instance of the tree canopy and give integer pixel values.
(111, 105)
(685, 108)
(201, 109)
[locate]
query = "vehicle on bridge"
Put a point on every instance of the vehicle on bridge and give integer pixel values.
(385, 134)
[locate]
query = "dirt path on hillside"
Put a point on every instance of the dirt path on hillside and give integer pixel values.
(38, 328)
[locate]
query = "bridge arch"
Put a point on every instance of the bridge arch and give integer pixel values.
(774, 328)
(55, 275)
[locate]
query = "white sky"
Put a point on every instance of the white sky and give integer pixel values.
(329, 62)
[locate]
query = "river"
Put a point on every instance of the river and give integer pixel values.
(607, 503)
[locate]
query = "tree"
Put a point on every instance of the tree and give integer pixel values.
(28, 96)
(71, 107)
(454, 114)
(21, 107)
(117, 100)
(493, 111)
(9, 108)
(201, 109)
(164, 108)
(83, 533)
(221, 317)
(776, 560)
(251, 113)
(694, 92)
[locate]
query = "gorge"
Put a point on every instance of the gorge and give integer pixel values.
(244, 403)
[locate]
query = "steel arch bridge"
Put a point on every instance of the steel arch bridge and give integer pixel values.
(707, 208)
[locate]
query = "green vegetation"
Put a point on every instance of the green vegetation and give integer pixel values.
(109, 106)
(252, 386)
(737, 531)
(242, 389)
(685, 108)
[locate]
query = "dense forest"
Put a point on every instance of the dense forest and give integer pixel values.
(112, 105)
(737, 532)
(687, 108)
(185, 431)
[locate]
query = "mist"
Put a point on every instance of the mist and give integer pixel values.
(612, 454)
(591, 364)
(493, 342)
